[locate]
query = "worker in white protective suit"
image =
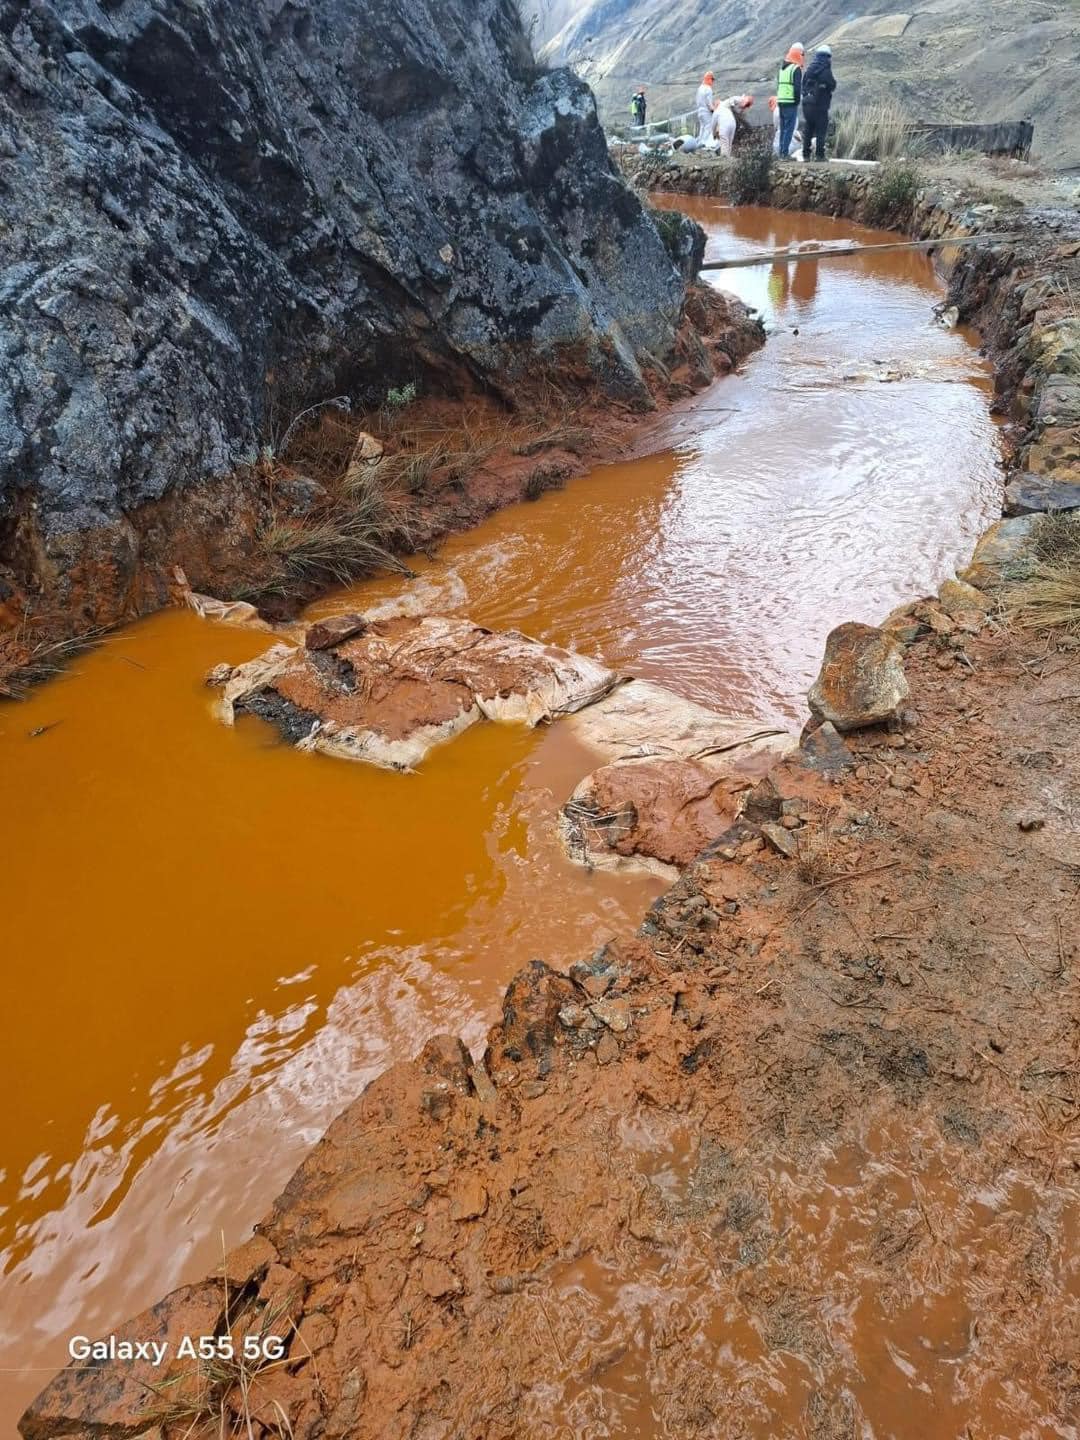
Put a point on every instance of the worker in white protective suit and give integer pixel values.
(724, 122)
(706, 104)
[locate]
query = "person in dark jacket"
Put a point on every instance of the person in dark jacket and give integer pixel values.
(788, 93)
(638, 107)
(817, 92)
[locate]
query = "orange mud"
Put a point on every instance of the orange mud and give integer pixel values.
(213, 942)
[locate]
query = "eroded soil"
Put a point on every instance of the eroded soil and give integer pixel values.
(802, 1158)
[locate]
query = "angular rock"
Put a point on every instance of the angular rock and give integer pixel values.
(957, 596)
(1029, 494)
(469, 1201)
(823, 750)
(334, 630)
(615, 1014)
(862, 679)
(1002, 551)
(781, 840)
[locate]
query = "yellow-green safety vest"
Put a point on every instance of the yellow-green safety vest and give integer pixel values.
(785, 85)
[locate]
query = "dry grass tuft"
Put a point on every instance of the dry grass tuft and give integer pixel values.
(873, 132)
(562, 436)
(1047, 597)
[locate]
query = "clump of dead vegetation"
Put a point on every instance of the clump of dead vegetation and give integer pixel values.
(347, 491)
(873, 132)
(1047, 595)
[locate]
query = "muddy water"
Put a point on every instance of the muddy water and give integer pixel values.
(212, 942)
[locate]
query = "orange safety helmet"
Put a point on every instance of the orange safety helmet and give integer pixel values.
(796, 55)
(708, 78)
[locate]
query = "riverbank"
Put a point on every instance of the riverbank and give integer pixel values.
(819, 1115)
(351, 494)
(775, 1140)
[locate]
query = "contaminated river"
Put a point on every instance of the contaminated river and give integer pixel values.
(212, 941)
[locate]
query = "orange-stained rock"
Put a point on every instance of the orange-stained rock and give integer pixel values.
(862, 679)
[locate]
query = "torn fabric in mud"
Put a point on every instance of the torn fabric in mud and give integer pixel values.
(406, 684)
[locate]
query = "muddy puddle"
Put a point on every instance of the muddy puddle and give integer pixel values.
(212, 941)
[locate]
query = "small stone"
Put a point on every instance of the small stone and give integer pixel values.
(607, 1048)
(481, 1082)
(901, 781)
(791, 822)
(615, 1014)
(334, 630)
(781, 840)
(863, 772)
(750, 847)
(573, 1016)
(439, 1280)
(219, 675)
(1031, 820)
(533, 1089)
(794, 806)
(957, 597)
(944, 662)
(938, 621)
(470, 1201)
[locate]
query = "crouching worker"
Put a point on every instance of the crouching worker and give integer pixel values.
(725, 122)
(788, 95)
(817, 92)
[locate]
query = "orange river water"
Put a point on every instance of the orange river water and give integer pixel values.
(211, 942)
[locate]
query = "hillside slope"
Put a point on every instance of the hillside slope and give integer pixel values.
(954, 60)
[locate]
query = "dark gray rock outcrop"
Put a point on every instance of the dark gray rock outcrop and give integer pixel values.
(213, 212)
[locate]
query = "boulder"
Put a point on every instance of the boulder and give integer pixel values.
(1029, 494)
(1001, 551)
(213, 214)
(862, 679)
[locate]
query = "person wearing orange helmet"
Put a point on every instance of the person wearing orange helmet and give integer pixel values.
(706, 104)
(788, 95)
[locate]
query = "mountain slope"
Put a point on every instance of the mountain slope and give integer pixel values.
(950, 60)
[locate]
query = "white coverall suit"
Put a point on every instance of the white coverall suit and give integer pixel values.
(724, 121)
(705, 113)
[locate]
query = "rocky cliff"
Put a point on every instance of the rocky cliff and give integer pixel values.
(215, 213)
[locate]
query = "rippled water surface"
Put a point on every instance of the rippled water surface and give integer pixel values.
(212, 941)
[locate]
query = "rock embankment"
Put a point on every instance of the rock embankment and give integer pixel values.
(213, 215)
